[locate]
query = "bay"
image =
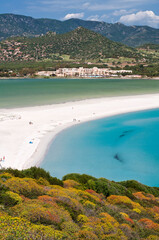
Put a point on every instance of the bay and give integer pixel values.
(118, 148)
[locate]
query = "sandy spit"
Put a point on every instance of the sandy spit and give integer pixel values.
(25, 133)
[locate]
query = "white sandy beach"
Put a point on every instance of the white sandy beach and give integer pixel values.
(24, 145)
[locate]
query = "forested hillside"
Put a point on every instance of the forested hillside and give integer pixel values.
(79, 44)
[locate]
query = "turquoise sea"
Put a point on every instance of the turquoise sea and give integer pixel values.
(118, 148)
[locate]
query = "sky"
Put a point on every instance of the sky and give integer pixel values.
(128, 12)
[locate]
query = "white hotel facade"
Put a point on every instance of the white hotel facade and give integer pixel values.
(84, 72)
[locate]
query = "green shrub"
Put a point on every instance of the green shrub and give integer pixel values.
(34, 173)
(10, 198)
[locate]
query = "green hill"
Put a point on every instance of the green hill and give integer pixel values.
(149, 46)
(151, 51)
(34, 205)
(79, 44)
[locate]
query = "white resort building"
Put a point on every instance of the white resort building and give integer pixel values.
(84, 72)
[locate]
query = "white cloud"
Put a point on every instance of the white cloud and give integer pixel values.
(94, 18)
(73, 15)
(101, 5)
(57, 5)
(123, 12)
(91, 5)
(98, 18)
(86, 5)
(141, 18)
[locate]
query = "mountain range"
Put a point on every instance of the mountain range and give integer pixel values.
(18, 25)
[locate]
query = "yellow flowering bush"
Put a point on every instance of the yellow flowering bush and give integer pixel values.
(153, 237)
(137, 210)
(89, 204)
(43, 181)
(25, 186)
(10, 198)
(4, 176)
(38, 211)
(32, 209)
(124, 215)
(70, 184)
(82, 218)
(70, 227)
(117, 200)
(18, 228)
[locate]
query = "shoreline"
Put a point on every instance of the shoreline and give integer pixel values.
(129, 77)
(26, 133)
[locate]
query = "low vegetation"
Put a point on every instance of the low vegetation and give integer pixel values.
(34, 205)
(150, 70)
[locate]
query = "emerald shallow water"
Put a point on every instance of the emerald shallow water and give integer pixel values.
(32, 92)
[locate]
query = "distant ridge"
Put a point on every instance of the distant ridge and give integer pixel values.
(19, 25)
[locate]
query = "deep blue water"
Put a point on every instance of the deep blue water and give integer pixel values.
(118, 148)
